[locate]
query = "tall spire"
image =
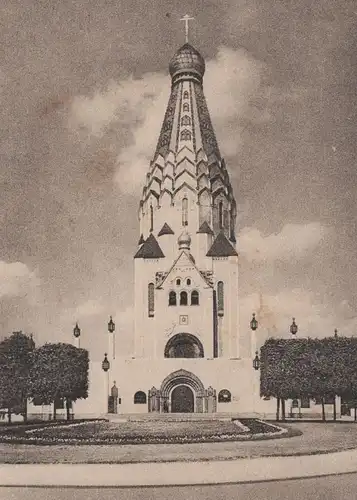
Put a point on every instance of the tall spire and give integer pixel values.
(187, 157)
(186, 19)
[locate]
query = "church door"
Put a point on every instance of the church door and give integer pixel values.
(182, 400)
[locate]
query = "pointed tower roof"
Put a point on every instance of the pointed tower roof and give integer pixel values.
(141, 240)
(150, 249)
(166, 229)
(221, 247)
(205, 228)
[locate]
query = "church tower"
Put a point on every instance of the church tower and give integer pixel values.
(189, 355)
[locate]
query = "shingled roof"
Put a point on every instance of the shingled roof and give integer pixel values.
(205, 228)
(166, 229)
(150, 249)
(221, 247)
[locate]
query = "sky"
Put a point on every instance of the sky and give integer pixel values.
(83, 91)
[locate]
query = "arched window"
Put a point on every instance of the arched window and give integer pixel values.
(220, 214)
(188, 282)
(178, 282)
(151, 298)
(185, 94)
(183, 299)
(186, 107)
(172, 298)
(186, 120)
(195, 298)
(151, 218)
(224, 396)
(184, 211)
(220, 298)
(184, 345)
(185, 135)
(140, 398)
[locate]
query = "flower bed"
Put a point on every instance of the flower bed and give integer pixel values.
(160, 432)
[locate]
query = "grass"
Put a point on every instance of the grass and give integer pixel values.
(103, 432)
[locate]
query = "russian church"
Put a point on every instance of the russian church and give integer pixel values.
(189, 353)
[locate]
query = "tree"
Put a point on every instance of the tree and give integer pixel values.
(60, 372)
(16, 356)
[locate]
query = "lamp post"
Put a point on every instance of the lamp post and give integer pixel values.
(336, 333)
(77, 334)
(253, 327)
(105, 368)
(293, 327)
(256, 361)
(111, 329)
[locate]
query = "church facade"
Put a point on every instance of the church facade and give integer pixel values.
(189, 353)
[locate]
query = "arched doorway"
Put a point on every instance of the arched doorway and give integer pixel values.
(182, 400)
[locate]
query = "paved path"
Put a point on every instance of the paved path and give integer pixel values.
(176, 473)
(323, 488)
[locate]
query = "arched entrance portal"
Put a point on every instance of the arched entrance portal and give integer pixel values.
(182, 391)
(182, 400)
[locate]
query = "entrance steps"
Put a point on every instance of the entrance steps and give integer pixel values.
(176, 417)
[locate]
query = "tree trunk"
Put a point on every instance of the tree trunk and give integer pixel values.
(25, 410)
(355, 413)
(323, 409)
(334, 410)
(54, 411)
(9, 415)
(283, 409)
(68, 403)
(277, 409)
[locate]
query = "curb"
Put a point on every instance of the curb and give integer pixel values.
(178, 473)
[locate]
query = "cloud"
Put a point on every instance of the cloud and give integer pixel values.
(293, 242)
(16, 280)
(232, 78)
(313, 317)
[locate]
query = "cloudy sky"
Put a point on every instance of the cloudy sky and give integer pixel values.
(83, 90)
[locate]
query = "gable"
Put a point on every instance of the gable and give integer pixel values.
(185, 263)
(221, 247)
(150, 249)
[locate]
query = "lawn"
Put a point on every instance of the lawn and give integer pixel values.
(154, 432)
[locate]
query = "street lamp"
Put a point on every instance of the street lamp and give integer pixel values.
(77, 334)
(111, 329)
(253, 323)
(293, 327)
(105, 368)
(256, 361)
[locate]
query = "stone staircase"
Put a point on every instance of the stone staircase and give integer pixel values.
(176, 417)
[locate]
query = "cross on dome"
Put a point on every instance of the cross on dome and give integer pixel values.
(186, 20)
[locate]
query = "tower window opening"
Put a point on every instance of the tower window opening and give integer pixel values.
(195, 298)
(185, 94)
(184, 211)
(186, 120)
(151, 218)
(186, 107)
(220, 298)
(220, 214)
(188, 282)
(151, 300)
(183, 299)
(172, 298)
(185, 135)
(178, 282)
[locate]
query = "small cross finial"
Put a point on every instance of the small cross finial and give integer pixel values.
(186, 20)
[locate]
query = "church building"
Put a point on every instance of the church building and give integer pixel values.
(189, 353)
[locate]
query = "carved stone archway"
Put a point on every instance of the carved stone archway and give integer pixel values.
(184, 345)
(182, 377)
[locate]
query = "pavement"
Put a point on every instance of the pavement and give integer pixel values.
(178, 473)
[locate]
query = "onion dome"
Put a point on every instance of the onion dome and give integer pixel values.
(184, 241)
(187, 60)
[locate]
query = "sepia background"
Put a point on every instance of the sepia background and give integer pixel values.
(83, 91)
